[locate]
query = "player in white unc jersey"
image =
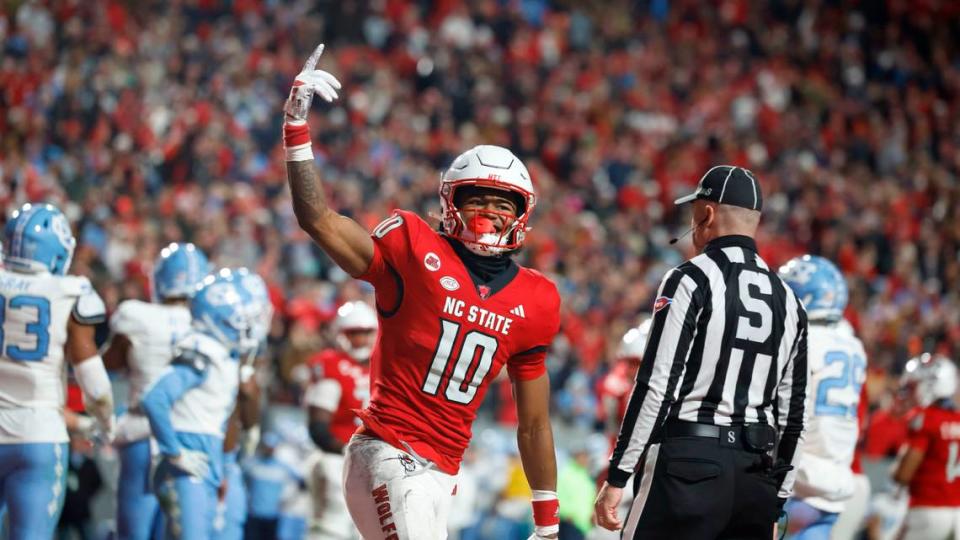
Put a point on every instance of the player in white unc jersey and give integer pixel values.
(45, 317)
(232, 510)
(837, 372)
(143, 339)
(188, 407)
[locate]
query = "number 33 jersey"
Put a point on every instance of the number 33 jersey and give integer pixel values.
(444, 337)
(34, 310)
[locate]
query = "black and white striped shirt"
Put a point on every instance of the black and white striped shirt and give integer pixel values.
(728, 346)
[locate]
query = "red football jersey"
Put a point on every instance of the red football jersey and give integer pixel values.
(936, 432)
(341, 385)
(617, 385)
(443, 338)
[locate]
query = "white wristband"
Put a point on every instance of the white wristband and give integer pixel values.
(543, 495)
(97, 393)
(304, 152)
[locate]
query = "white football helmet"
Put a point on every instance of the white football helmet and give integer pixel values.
(932, 377)
(354, 316)
(635, 341)
(491, 167)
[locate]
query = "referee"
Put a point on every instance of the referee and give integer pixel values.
(716, 415)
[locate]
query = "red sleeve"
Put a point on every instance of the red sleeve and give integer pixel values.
(392, 248)
(531, 362)
(918, 434)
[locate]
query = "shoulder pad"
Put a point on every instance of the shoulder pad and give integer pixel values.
(89, 308)
(197, 351)
(128, 318)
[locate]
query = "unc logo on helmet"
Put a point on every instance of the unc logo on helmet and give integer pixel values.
(492, 167)
(818, 284)
(220, 309)
(37, 238)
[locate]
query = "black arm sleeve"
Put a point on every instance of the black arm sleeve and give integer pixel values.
(321, 436)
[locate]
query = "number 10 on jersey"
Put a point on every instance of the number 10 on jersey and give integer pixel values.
(473, 363)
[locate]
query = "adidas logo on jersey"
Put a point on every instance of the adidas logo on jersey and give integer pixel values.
(518, 311)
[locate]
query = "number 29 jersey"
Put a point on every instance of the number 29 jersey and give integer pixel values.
(838, 370)
(444, 337)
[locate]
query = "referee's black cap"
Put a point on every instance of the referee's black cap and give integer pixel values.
(726, 184)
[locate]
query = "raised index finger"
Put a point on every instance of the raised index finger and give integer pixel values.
(312, 61)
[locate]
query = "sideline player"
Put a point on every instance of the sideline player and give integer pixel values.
(188, 407)
(341, 385)
(615, 387)
(453, 310)
(929, 464)
(838, 369)
(143, 337)
(614, 391)
(45, 316)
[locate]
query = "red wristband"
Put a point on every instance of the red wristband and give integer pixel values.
(546, 513)
(295, 135)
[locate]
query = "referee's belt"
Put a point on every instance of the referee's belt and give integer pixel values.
(758, 438)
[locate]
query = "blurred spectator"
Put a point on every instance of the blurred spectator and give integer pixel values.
(267, 480)
(577, 490)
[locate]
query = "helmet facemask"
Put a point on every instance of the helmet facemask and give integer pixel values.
(476, 229)
(362, 352)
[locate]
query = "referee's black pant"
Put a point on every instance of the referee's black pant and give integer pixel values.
(703, 488)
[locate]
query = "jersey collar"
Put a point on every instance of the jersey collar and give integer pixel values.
(733, 240)
(484, 288)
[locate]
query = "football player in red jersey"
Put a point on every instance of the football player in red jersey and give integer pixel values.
(340, 386)
(454, 309)
(930, 461)
(616, 385)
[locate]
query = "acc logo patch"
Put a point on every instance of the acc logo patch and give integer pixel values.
(661, 303)
(431, 261)
(449, 283)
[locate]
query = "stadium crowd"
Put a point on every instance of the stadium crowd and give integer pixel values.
(151, 122)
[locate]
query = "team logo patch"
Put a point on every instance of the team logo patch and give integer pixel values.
(431, 261)
(449, 283)
(661, 303)
(484, 291)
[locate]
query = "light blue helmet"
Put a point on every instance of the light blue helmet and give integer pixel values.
(261, 309)
(819, 284)
(178, 271)
(220, 309)
(37, 238)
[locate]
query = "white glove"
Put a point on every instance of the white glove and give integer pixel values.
(191, 462)
(310, 81)
(85, 427)
(106, 430)
(539, 534)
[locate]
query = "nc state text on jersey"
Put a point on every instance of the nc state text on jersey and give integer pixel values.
(474, 314)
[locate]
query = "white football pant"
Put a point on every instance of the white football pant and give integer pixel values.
(931, 523)
(854, 511)
(395, 495)
(330, 520)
